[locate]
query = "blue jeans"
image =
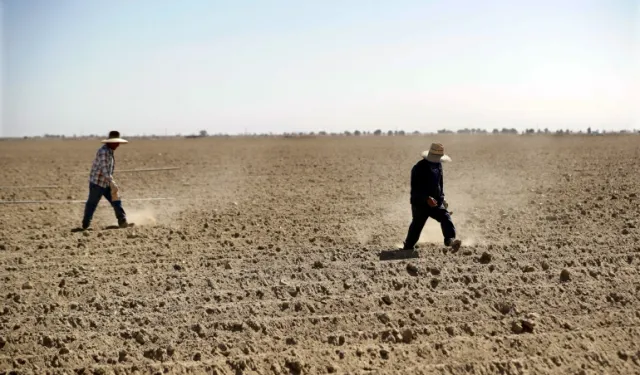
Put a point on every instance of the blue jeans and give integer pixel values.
(96, 192)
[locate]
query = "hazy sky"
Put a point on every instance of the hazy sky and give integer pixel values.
(150, 66)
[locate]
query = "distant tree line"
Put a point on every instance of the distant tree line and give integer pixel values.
(356, 133)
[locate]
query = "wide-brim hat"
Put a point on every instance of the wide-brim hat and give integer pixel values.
(114, 137)
(436, 154)
(115, 140)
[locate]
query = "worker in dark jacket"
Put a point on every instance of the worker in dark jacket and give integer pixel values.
(427, 198)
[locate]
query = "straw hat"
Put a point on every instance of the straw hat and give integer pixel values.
(114, 137)
(436, 154)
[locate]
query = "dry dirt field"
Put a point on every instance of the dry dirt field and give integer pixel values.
(277, 256)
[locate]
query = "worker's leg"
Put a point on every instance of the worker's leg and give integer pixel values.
(95, 193)
(441, 215)
(420, 217)
(117, 207)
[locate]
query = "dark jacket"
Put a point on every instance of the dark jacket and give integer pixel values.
(426, 181)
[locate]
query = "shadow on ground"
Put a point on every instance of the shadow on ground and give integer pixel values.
(113, 227)
(399, 254)
(110, 227)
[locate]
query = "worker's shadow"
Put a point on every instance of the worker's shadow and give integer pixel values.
(398, 254)
(115, 227)
(109, 227)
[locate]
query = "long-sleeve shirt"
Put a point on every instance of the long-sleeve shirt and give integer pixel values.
(103, 167)
(427, 181)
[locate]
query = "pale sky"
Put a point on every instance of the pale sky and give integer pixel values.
(150, 66)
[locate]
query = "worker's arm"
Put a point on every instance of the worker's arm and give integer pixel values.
(420, 184)
(441, 182)
(431, 185)
(417, 181)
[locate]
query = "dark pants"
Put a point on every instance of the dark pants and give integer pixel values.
(96, 192)
(421, 212)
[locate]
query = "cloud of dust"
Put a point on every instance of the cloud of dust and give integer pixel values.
(230, 177)
(363, 233)
(143, 217)
(466, 195)
(165, 213)
(397, 214)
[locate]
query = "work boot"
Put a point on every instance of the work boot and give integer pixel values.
(123, 223)
(454, 243)
(405, 247)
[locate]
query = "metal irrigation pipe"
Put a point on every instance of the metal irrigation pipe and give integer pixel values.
(147, 169)
(77, 201)
(134, 170)
(34, 187)
(79, 173)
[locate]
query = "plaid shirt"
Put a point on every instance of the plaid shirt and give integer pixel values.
(103, 166)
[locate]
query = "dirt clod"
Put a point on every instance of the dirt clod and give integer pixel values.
(48, 342)
(528, 269)
(486, 258)
(336, 340)
(504, 307)
(384, 354)
(412, 269)
(565, 275)
(383, 318)
(199, 330)
(516, 327)
(408, 336)
(623, 355)
(544, 265)
(296, 366)
(529, 322)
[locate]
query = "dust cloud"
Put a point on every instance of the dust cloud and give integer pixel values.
(146, 216)
(466, 195)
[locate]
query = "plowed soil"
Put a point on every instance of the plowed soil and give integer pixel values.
(278, 256)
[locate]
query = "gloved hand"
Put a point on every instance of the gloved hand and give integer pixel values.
(114, 191)
(432, 202)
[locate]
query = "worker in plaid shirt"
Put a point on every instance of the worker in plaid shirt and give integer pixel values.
(101, 183)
